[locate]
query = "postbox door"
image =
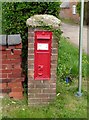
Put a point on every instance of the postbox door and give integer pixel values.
(42, 57)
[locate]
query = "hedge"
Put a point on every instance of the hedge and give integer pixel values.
(15, 14)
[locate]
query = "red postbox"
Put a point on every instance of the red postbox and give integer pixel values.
(42, 52)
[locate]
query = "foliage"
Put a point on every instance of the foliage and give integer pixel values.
(86, 11)
(68, 61)
(79, 7)
(15, 14)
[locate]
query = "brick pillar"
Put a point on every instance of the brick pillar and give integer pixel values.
(41, 92)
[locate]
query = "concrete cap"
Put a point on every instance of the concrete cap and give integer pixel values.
(2, 39)
(14, 39)
(43, 20)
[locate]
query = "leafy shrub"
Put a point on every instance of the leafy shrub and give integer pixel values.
(79, 7)
(14, 17)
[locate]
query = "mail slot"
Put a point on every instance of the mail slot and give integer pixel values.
(42, 52)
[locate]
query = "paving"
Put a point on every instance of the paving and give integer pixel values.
(72, 33)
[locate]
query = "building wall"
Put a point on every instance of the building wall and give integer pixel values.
(67, 13)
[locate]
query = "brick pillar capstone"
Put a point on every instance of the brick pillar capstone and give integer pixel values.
(41, 92)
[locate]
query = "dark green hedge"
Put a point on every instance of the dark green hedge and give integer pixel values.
(86, 11)
(14, 16)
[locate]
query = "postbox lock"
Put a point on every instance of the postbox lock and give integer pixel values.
(40, 67)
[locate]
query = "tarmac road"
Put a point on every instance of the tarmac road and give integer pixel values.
(72, 33)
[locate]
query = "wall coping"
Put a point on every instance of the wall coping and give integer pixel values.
(43, 20)
(14, 39)
(2, 39)
(10, 39)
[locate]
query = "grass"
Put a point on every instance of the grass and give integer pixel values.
(68, 60)
(69, 21)
(66, 104)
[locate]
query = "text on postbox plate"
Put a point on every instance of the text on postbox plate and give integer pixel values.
(42, 46)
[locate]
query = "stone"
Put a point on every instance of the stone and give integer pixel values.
(43, 20)
(14, 39)
(2, 39)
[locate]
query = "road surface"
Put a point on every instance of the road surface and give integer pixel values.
(72, 33)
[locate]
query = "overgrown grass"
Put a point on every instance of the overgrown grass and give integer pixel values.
(66, 104)
(69, 59)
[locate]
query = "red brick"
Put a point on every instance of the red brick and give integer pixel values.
(53, 85)
(21, 79)
(30, 51)
(6, 71)
(16, 95)
(6, 61)
(0, 62)
(18, 66)
(5, 90)
(49, 90)
(3, 75)
(47, 100)
(6, 51)
(42, 85)
(17, 52)
(42, 95)
(0, 65)
(15, 85)
(17, 71)
(34, 90)
(4, 66)
(9, 66)
(15, 75)
(35, 100)
(13, 66)
(17, 89)
(18, 46)
(11, 47)
(30, 45)
(2, 52)
(9, 56)
(16, 61)
(3, 85)
(3, 56)
(31, 56)
(10, 76)
(5, 80)
(2, 48)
